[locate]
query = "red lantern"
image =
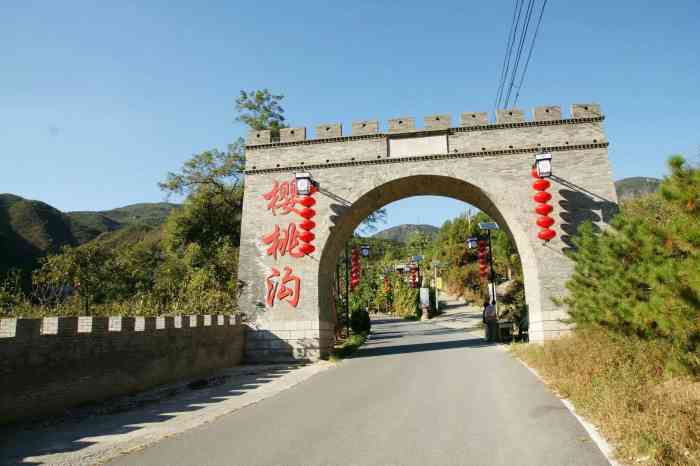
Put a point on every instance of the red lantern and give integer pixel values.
(546, 234)
(307, 248)
(307, 213)
(307, 225)
(539, 185)
(307, 201)
(545, 221)
(306, 236)
(542, 197)
(543, 209)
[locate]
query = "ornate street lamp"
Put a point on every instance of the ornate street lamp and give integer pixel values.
(365, 250)
(305, 184)
(543, 165)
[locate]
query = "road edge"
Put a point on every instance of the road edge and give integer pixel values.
(605, 448)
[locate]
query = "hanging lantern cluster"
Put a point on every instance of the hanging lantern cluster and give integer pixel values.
(483, 260)
(354, 269)
(307, 225)
(542, 207)
(414, 276)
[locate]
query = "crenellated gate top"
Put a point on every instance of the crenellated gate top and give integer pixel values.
(264, 154)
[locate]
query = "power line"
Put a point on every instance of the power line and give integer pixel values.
(509, 48)
(529, 55)
(511, 72)
(521, 44)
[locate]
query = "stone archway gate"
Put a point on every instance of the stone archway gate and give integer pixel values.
(287, 295)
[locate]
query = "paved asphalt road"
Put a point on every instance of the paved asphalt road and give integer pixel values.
(416, 394)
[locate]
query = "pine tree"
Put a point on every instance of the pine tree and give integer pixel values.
(642, 277)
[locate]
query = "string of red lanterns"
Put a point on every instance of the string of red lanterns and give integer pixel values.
(542, 207)
(483, 260)
(414, 276)
(307, 225)
(355, 269)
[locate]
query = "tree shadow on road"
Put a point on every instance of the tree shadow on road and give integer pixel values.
(372, 351)
(21, 441)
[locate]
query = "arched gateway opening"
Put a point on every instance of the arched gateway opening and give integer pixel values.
(286, 291)
(420, 185)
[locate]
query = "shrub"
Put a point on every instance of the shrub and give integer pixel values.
(360, 322)
(406, 299)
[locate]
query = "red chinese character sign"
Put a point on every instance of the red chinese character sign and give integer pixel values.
(285, 288)
(293, 240)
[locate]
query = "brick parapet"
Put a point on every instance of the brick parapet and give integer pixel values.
(21, 328)
(50, 364)
(505, 118)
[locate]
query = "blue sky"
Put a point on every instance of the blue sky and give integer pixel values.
(98, 102)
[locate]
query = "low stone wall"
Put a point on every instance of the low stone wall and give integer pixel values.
(50, 364)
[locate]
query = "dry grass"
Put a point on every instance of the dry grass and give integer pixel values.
(643, 401)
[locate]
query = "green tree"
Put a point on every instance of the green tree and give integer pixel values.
(261, 110)
(643, 276)
(371, 223)
(217, 173)
(88, 270)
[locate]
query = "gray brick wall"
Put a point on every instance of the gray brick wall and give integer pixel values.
(48, 365)
(487, 165)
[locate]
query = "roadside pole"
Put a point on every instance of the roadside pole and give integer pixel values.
(493, 272)
(347, 290)
(435, 282)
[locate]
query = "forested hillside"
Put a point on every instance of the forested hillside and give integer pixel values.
(402, 233)
(30, 230)
(637, 186)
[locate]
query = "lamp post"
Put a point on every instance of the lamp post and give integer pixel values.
(347, 289)
(488, 226)
(436, 266)
(364, 250)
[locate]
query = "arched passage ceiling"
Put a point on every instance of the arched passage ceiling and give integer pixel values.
(421, 185)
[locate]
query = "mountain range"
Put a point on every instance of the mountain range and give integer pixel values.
(629, 188)
(32, 229)
(402, 233)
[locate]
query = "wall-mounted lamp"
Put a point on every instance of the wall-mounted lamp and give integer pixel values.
(543, 165)
(305, 183)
